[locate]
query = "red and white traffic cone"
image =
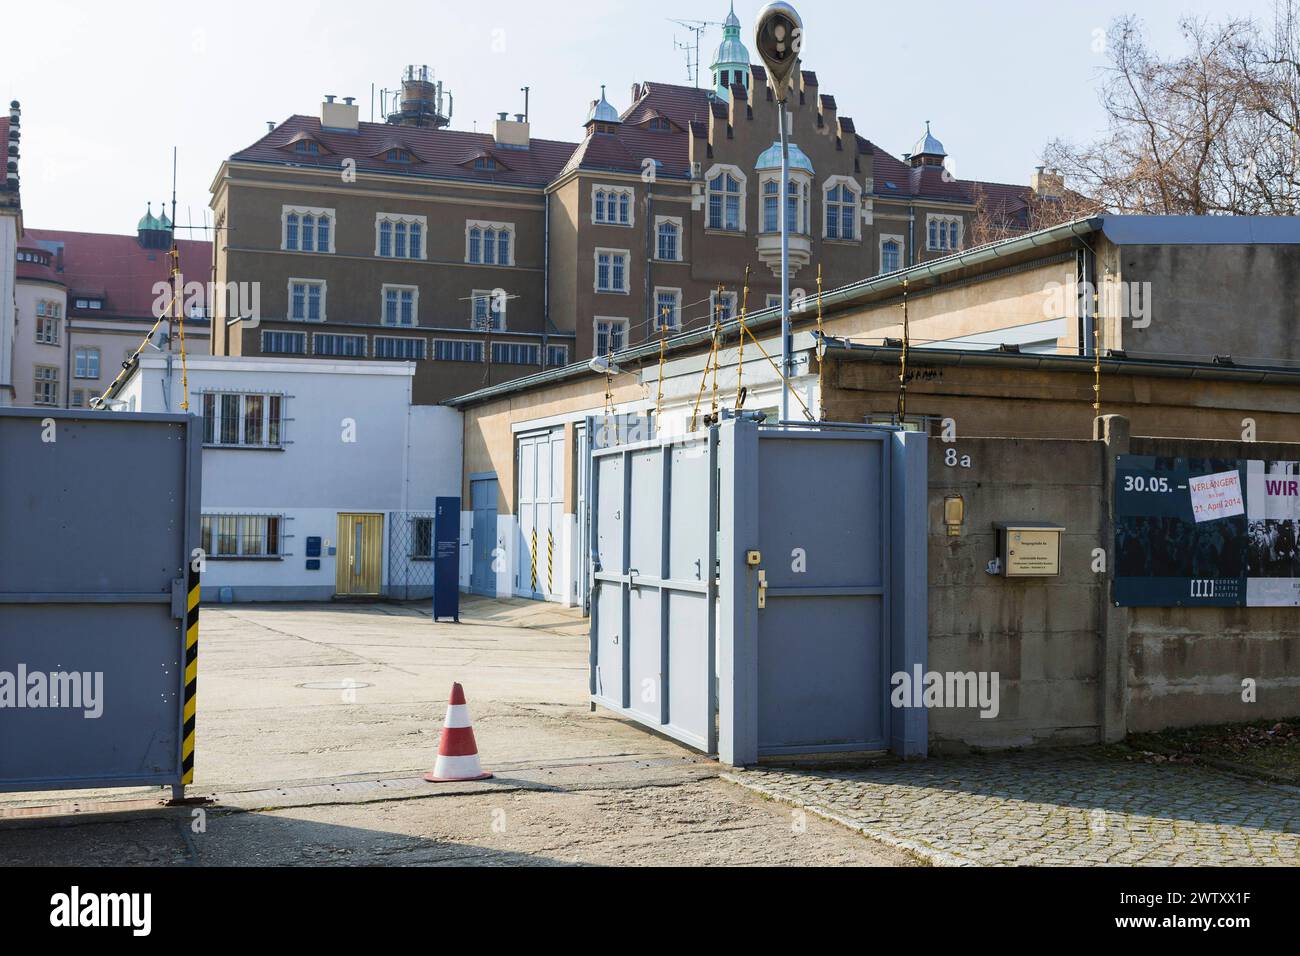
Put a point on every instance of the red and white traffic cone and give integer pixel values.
(457, 749)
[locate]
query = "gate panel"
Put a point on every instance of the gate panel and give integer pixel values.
(821, 647)
(94, 591)
(653, 626)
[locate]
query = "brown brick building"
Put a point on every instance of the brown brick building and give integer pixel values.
(484, 257)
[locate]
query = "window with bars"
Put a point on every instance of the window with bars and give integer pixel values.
(668, 308)
(490, 244)
(421, 539)
(841, 212)
(611, 336)
(515, 353)
(891, 256)
(668, 246)
(390, 347)
(306, 300)
(943, 233)
(349, 346)
(722, 307)
(611, 270)
(399, 237)
(400, 303)
(243, 419)
(284, 343)
(557, 356)
(241, 536)
(488, 310)
(611, 206)
(307, 230)
(725, 203)
(457, 350)
(46, 385)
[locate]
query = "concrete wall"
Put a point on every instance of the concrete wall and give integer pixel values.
(1040, 635)
(1186, 665)
(1073, 668)
(8, 331)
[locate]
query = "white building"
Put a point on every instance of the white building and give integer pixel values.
(319, 478)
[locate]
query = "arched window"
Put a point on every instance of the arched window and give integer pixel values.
(724, 203)
(891, 256)
(668, 241)
(475, 245)
(841, 212)
(771, 191)
(291, 232)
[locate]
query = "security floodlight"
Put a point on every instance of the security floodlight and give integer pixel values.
(604, 365)
(778, 35)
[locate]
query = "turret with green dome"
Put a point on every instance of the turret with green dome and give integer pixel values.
(731, 62)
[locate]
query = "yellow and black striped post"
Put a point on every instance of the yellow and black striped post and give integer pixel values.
(550, 563)
(191, 676)
(534, 559)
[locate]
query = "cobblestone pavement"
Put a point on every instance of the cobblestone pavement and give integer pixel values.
(1052, 809)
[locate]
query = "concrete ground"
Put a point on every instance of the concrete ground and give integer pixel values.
(315, 723)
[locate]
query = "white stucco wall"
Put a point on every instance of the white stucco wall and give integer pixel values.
(352, 443)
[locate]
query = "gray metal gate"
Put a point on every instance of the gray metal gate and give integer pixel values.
(818, 537)
(484, 494)
(99, 516)
(653, 554)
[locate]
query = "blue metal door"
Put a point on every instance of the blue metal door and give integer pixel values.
(483, 499)
(823, 541)
(653, 554)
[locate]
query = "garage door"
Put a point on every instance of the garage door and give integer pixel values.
(540, 509)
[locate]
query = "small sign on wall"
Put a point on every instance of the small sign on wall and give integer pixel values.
(1030, 549)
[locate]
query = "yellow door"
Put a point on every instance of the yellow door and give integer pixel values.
(360, 555)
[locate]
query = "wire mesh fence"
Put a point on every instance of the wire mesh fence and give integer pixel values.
(410, 555)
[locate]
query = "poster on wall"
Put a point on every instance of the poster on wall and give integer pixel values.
(1206, 532)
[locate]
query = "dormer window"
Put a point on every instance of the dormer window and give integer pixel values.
(486, 163)
(309, 146)
(400, 156)
(659, 124)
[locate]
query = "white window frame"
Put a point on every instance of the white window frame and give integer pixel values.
(300, 211)
(306, 343)
(627, 270)
(612, 319)
(433, 349)
(742, 182)
(902, 250)
(394, 218)
(773, 300)
(731, 297)
(51, 326)
(217, 396)
(493, 296)
(324, 293)
(618, 191)
(834, 182)
(415, 305)
(240, 520)
(802, 198)
(676, 322)
(564, 346)
(38, 380)
(483, 225)
(76, 362)
(945, 221)
(675, 221)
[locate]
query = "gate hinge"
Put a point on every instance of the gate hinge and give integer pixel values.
(179, 599)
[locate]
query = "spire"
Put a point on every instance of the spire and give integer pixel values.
(731, 61)
(601, 111)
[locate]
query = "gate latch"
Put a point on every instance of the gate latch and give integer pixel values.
(762, 590)
(631, 579)
(179, 599)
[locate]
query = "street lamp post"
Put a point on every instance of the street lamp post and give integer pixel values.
(778, 36)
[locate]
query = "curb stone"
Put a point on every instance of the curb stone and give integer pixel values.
(926, 854)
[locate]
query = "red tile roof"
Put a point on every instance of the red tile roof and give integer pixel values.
(118, 269)
(441, 153)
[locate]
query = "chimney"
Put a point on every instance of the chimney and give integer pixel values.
(510, 133)
(1047, 184)
(11, 147)
(340, 116)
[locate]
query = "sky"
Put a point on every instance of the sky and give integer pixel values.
(107, 89)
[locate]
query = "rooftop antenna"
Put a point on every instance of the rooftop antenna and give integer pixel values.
(697, 27)
(524, 90)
